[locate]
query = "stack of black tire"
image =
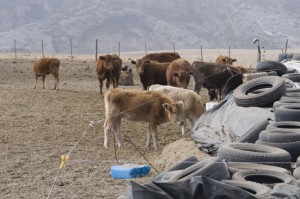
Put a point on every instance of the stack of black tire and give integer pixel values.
(278, 146)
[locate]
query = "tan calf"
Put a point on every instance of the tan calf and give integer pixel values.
(46, 66)
(141, 106)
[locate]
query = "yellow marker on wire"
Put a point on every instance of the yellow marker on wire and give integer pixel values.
(64, 159)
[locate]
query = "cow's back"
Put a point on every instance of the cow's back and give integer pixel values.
(44, 66)
(137, 105)
(162, 57)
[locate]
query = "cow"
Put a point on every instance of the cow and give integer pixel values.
(159, 57)
(225, 60)
(108, 67)
(224, 78)
(152, 107)
(126, 78)
(152, 72)
(193, 107)
(45, 66)
(179, 73)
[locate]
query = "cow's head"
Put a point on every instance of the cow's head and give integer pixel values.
(175, 111)
(109, 60)
(140, 65)
(225, 60)
(182, 78)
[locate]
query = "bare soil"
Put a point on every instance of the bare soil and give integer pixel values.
(38, 126)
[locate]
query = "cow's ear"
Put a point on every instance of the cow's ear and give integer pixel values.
(224, 59)
(175, 74)
(167, 107)
(133, 62)
(102, 57)
(233, 60)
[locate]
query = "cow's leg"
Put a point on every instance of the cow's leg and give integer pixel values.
(117, 131)
(114, 82)
(36, 79)
(106, 127)
(100, 86)
(107, 83)
(148, 143)
(197, 87)
(56, 77)
(43, 78)
(153, 128)
(182, 130)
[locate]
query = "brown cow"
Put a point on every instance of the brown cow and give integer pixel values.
(225, 60)
(159, 57)
(179, 73)
(108, 67)
(152, 107)
(152, 72)
(224, 78)
(45, 66)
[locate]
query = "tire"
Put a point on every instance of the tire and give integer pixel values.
(268, 178)
(238, 166)
(291, 147)
(215, 169)
(285, 125)
(252, 135)
(296, 173)
(243, 94)
(287, 112)
(265, 66)
(298, 162)
(256, 189)
(296, 56)
(281, 57)
(285, 102)
(295, 77)
(244, 152)
(289, 98)
(277, 135)
(293, 90)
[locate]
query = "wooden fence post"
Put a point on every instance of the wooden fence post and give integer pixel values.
(96, 56)
(145, 48)
(201, 54)
(119, 48)
(15, 45)
(42, 48)
(286, 44)
(229, 51)
(71, 49)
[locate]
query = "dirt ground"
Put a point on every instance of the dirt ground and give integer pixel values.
(38, 126)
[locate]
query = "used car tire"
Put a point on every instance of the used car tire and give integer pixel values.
(295, 77)
(274, 87)
(265, 66)
(291, 147)
(287, 112)
(268, 178)
(246, 152)
(238, 166)
(258, 190)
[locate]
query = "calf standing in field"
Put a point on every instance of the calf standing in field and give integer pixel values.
(179, 73)
(108, 67)
(152, 107)
(192, 107)
(46, 66)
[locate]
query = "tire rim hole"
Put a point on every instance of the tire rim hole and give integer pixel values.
(258, 89)
(263, 179)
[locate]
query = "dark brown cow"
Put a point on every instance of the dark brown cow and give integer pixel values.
(152, 72)
(179, 73)
(109, 67)
(151, 107)
(46, 66)
(159, 57)
(222, 77)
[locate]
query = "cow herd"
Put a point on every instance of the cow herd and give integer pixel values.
(164, 97)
